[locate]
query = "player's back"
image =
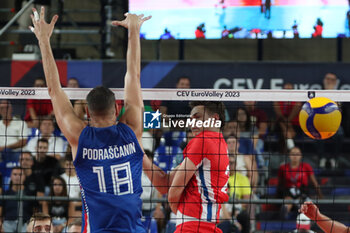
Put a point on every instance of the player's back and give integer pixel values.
(109, 166)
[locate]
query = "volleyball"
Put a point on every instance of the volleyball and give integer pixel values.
(320, 118)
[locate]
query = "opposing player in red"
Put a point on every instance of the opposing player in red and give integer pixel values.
(326, 224)
(198, 186)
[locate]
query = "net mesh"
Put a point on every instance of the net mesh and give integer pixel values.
(273, 166)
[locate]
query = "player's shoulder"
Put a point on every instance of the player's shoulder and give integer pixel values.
(284, 166)
(306, 166)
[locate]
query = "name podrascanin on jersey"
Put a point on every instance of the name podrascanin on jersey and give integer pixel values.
(113, 152)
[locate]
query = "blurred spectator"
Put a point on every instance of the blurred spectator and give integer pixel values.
(258, 117)
(40, 222)
(13, 133)
(73, 186)
(60, 211)
(177, 107)
(57, 146)
(330, 81)
(166, 35)
(70, 177)
(260, 120)
(318, 29)
(75, 226)
(246, 145)
(287, 121)
(33, 184)
(73, 83)
(268, 9)
(37, 108)
(293, 182)
(245, 164)
(245, 126)
(44, 165)
(225, 33)
(295, 29)
(78, 105)
(200, 31)
(12, 220)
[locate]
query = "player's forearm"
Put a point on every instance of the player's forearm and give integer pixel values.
(159, 179)
(330, 226)
(134, 53)
(19, 144)
(50, 68)
(174, 195)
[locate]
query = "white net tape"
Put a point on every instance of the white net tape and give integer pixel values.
(187, 94)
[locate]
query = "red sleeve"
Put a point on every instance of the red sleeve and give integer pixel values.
(195, 150)
(30, 103)
(308, 169)
(281, 171)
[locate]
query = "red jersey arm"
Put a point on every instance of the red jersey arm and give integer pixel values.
(195, 150)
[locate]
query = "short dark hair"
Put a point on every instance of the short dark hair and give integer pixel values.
(40, 78)
(43, 140)
(68, 157)
(213, 107)
(16, 168)
(39, 216)
(27, 152)
(100, 100)
(73, 78)
(183, 77)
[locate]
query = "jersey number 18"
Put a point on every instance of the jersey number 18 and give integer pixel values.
(121, 178)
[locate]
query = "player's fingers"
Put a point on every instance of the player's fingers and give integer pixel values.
(116, 23)
(33, 20)
(141, 16)
(36, 15)
(42, 13)
(31, 28)
(54, 20)
(146, 18)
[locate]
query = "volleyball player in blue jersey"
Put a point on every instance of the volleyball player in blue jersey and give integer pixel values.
(107, 155)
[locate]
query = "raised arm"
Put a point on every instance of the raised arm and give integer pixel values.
(326, 224)
(68, 122)
(133, 102)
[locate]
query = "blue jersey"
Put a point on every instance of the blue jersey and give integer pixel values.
(109, 167)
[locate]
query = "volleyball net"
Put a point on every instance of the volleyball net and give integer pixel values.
(273, 166)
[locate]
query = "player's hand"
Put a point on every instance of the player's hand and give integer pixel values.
(131, 20)
(310, 210)
(41, 29)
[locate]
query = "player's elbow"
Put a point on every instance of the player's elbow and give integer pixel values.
(163, 190)
(53, 91)
(172, 197)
